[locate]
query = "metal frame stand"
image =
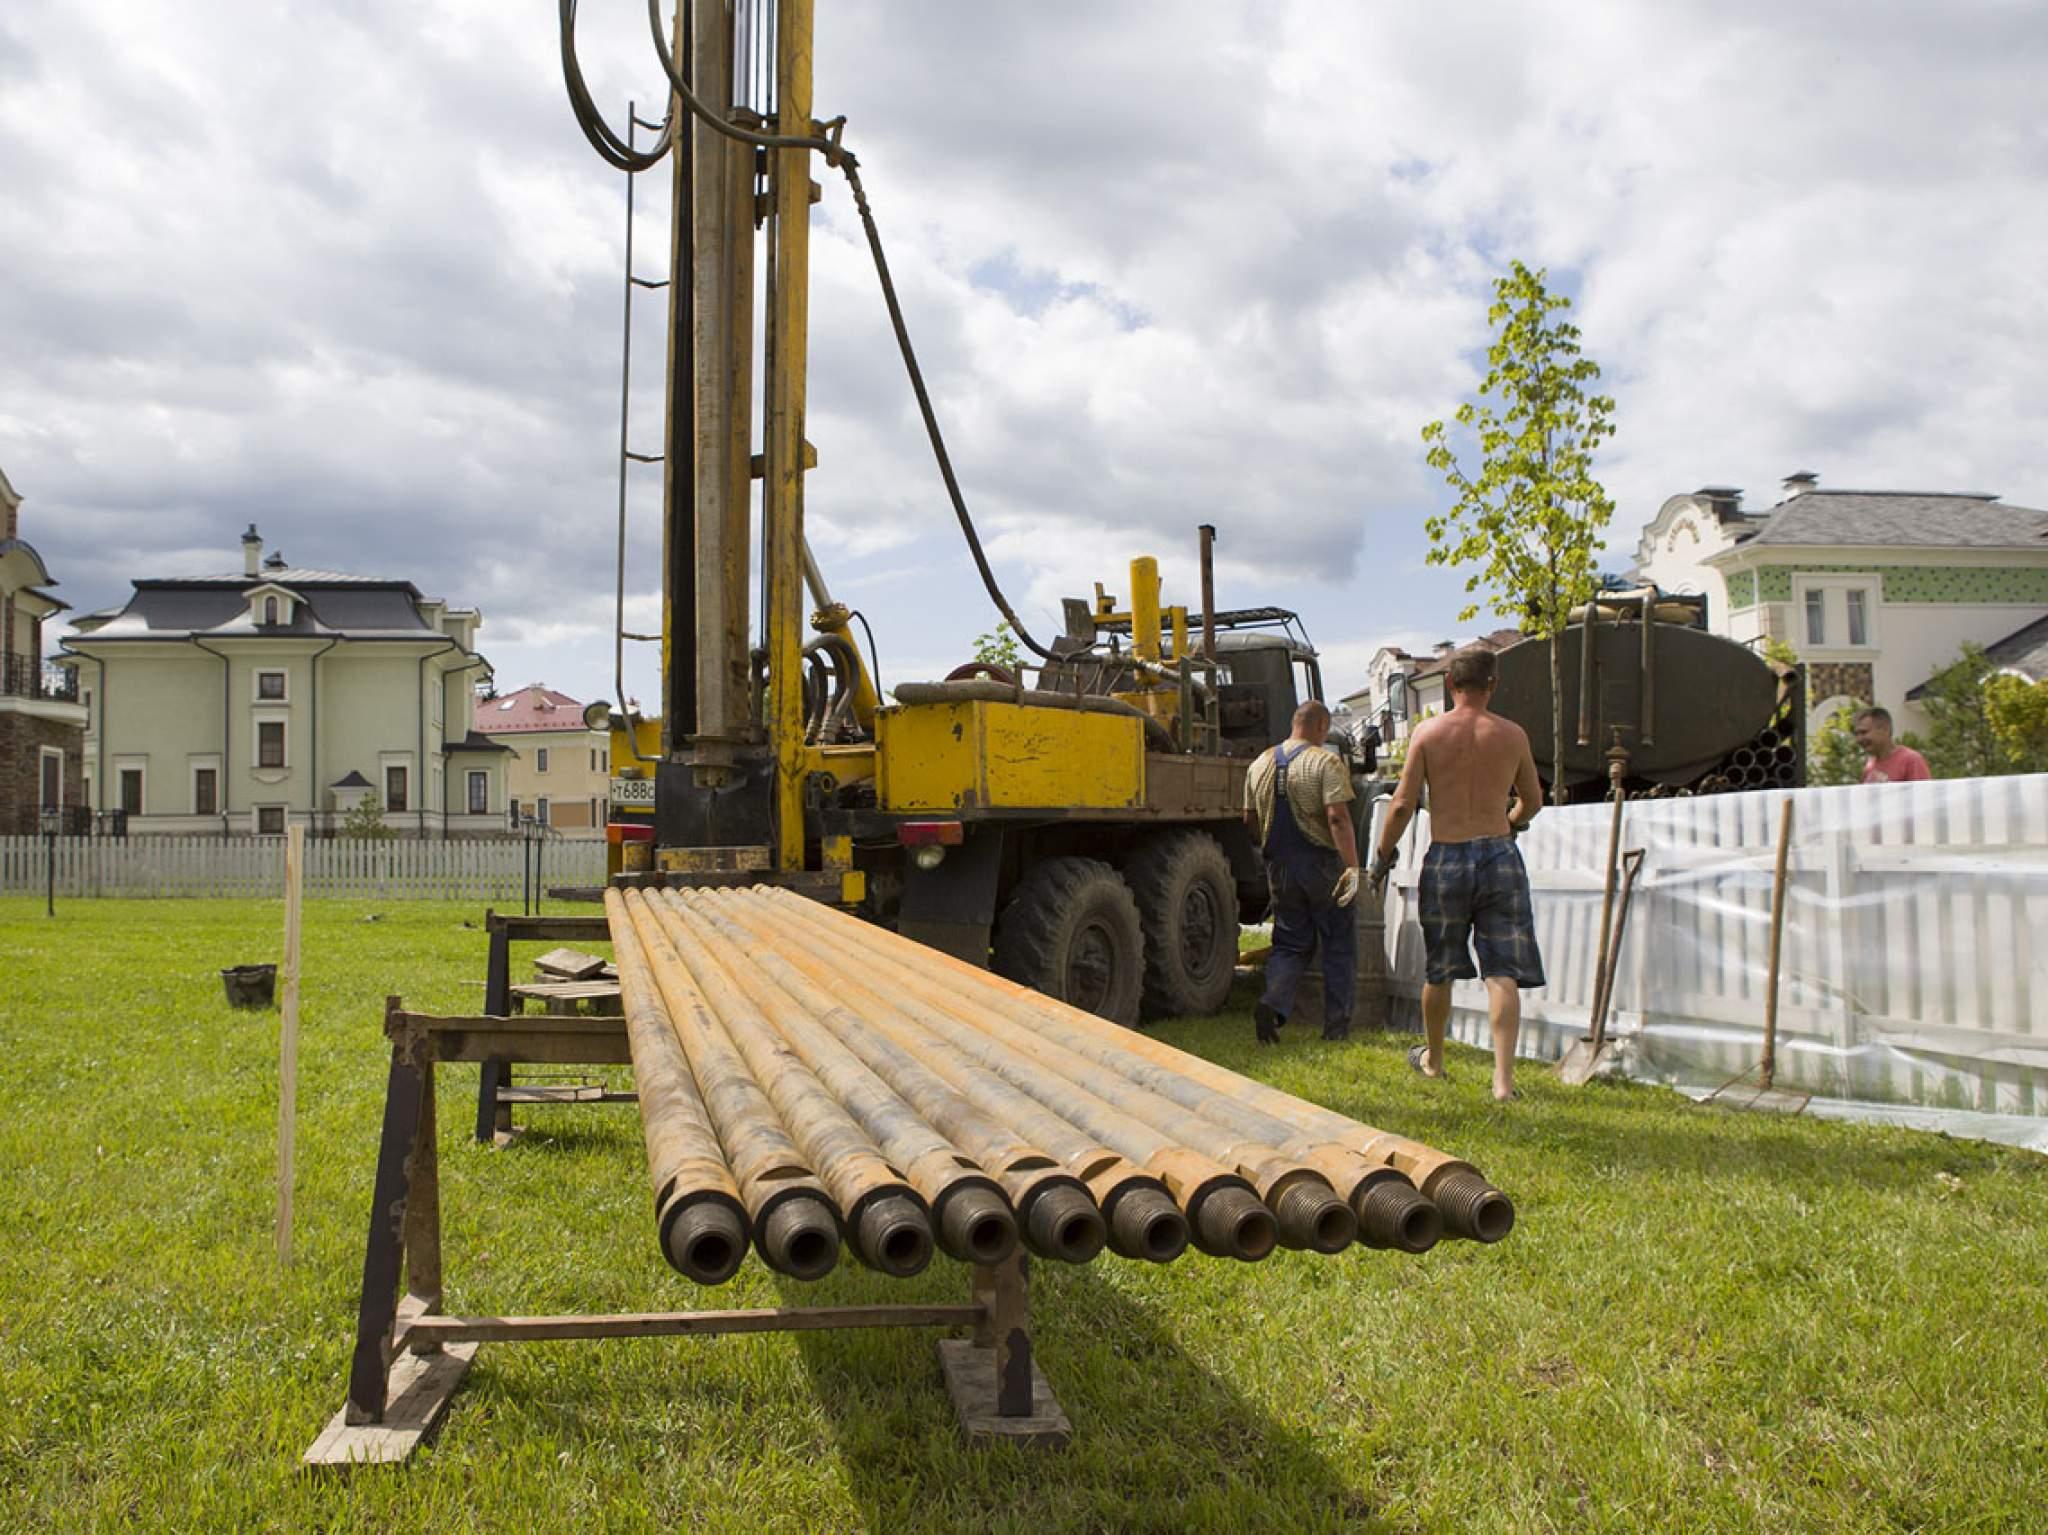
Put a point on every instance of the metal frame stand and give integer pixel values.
(495, 1092)
(409, 1357)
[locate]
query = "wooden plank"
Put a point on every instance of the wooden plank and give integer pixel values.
(679, 1324)
(570, 964)
(970, 1373)
(421, 1386)
(288, 1047)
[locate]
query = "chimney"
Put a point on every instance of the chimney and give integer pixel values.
(252, 551)
(1724, 501)
(276, 560)
(1800, 482)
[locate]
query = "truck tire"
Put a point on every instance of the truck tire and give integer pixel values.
(1187, 905)
(1071, 930)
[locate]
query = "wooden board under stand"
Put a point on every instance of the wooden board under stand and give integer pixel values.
(566, 964)
(409, 1357)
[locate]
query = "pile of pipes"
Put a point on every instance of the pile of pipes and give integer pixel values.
(807, 1080)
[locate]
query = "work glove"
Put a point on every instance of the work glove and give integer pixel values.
(1347, 887)
(1383, 866)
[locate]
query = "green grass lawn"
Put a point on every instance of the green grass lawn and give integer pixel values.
(1704, 1321)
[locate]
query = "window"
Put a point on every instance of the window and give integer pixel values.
(53, 778)
(1859, 616)
(479, 793)
(270, 743)
(604, 759)
(131, 791)
(540, 759)
(540, 810)
(1816, 616)
(270, 610)
(593, 759)
(205, 791)
(394, 787)
(270, 686)
(593, 814)
(270, 820)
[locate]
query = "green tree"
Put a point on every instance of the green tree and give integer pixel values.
(1530, 520)
(2017, 711)
(1832, 755)
(1960, 741)
(364, 821)
(999, 649)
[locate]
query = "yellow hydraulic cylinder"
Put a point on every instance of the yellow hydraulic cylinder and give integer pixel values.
(1145, 608)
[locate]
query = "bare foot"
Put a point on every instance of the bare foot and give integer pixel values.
(1418, 1059)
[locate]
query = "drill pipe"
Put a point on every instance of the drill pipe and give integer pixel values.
(795, 1223)
(698, 1213)
(890, 1224)
(1058, 1215)
(1223, 1209)
(973, 1218)
(1310, 1213)
(1482, 1212)
(1144, 1220)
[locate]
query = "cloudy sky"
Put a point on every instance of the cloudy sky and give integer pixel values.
(348, 271)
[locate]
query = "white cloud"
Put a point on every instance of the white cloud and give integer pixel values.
(355, 277)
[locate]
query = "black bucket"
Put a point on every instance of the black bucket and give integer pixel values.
(250, 985)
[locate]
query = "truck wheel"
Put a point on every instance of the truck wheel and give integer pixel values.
(1071, 931)
(1187, 904)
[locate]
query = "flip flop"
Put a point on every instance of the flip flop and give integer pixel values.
(1415, 1059)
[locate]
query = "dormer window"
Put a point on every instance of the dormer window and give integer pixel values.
(271, 606)
(270, 610)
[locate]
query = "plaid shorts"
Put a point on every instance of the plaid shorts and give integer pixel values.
(1478, 889)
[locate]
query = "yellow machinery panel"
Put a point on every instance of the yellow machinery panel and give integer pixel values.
(996, 756)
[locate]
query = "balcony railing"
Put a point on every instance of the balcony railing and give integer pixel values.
(31, 677)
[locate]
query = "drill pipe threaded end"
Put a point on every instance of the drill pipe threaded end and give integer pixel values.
(1230, 1222)
(1471, 1206)
(705, 1242)
(1312, 1216)
(800, 1238)
(893, 1236)
(1147, 1225)
(1392, 1214)
(975, 1224)
(1062, 1223)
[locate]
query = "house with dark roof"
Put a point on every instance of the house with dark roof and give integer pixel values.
(239, 704)
(560, 769)
(42, 723)
(1875, 589)
(1401, 689)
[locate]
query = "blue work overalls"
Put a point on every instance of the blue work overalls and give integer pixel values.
(1303, 877)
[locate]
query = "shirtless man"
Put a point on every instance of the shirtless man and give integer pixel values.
(1473, 883)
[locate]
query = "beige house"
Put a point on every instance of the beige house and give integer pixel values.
(239, 704)
(41, 720)
(560, 772)
(1876, 590)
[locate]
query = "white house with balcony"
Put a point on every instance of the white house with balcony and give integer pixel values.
(239, 704)
(1876, 590)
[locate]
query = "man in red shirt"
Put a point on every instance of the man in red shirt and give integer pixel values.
(1887, 762)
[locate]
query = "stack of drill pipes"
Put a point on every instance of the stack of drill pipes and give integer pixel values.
(972, 1213)
(1144, 1221)
(796, 1225)
(1059, 1215)
(1388, 1216)
(699, 1215)
(1310, 1212)
(889, 1224)
(1472, 1207)
(1223, 1208)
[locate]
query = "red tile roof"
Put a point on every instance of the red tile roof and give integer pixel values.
(533, 708)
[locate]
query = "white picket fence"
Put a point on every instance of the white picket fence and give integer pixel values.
(254, 867)
(1911, 970)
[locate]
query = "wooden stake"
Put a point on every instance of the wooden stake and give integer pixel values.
(288, 1054)
(1768, 1069)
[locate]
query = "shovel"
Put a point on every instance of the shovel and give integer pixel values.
(1589, 1057)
